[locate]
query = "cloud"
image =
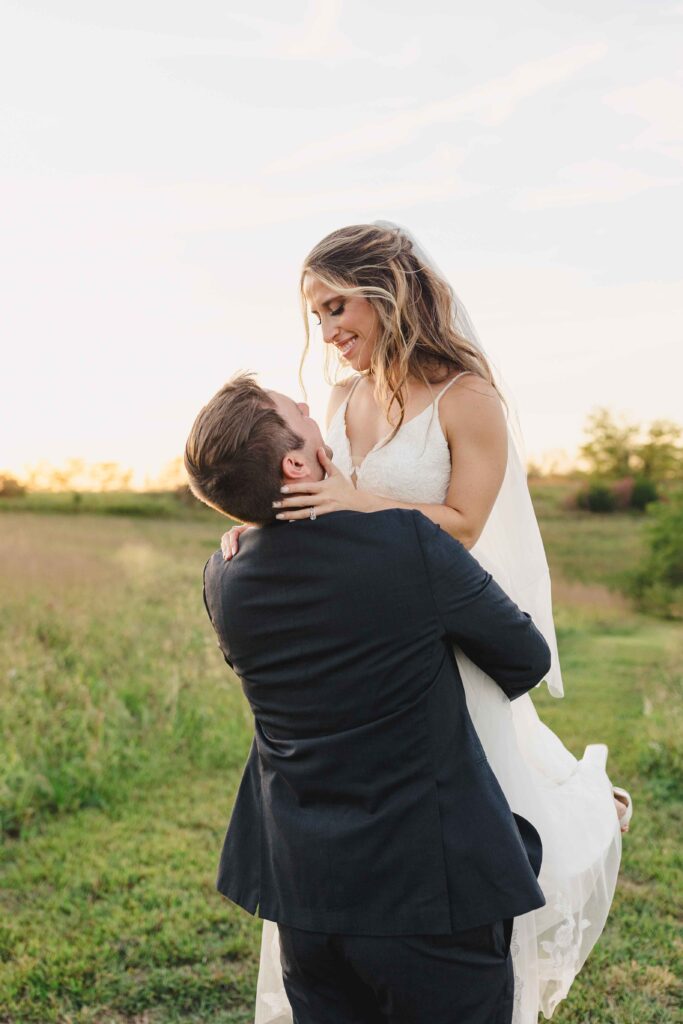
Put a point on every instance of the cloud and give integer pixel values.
(318, 36)
(658, 102)
(592, 181)
(490, 104)
(75, 211)
(219, 208)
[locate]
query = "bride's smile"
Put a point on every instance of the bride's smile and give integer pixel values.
(349, 322)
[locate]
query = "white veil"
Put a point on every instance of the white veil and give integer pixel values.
(510, 547)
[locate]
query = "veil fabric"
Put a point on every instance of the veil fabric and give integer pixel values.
(511, 546)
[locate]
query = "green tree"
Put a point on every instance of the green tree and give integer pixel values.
(660, 456)
(110, 476)
(611, 445)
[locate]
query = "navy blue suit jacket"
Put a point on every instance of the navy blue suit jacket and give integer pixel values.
(367, 805)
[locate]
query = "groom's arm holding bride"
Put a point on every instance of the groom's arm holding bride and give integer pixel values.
(479, 617)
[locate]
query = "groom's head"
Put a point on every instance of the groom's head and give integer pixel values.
(247, 442)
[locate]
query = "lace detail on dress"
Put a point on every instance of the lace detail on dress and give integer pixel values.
(564, 949)
(519, 983)
(414, 466)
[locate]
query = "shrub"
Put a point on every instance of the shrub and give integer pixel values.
(10, 487)
(597, 497)
(658, 582)
(608, 496)
(184, 496)
(643, 493)
(665, 535)
(623, 492)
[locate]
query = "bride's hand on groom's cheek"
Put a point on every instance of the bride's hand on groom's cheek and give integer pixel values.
(333, 494)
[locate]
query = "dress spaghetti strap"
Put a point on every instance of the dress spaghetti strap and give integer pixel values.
(451, 381)
(340, 411)
(355, 384)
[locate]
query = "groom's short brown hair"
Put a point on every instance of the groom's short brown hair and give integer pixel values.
(234, 453)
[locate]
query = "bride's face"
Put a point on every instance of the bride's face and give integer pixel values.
(349, 322)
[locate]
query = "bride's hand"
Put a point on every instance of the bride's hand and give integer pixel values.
(230, 541)
(333, 494)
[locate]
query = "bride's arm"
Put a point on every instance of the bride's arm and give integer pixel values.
(473, 421)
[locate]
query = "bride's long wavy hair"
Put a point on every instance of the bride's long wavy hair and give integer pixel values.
(415, 308)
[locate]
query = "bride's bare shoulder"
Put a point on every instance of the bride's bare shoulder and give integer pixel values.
(473, 404)
(472, 383)
(470, 392)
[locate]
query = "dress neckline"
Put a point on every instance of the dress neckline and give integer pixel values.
(387, 437)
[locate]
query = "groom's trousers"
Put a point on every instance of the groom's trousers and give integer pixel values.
(463, 978)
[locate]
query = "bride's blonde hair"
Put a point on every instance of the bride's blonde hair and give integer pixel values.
(415, 309)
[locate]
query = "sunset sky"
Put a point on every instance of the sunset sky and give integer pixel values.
(166, 166)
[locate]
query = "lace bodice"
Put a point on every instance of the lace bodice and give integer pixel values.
(414, 466)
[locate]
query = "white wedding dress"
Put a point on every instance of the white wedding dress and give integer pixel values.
(568, 801)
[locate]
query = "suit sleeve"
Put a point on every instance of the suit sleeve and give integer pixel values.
(207, 584)
(479, 617)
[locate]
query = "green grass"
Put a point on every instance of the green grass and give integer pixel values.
(587, 547)
(109, 668)
(143, 504)
(123, 735)
(114, 916)
(624, 686)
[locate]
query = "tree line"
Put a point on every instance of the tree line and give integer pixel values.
(628, 466)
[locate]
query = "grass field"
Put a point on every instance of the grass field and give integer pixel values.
(123, 736)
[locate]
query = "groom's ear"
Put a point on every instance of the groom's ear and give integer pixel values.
(295, 467)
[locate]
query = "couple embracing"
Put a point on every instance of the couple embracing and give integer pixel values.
(421, 847)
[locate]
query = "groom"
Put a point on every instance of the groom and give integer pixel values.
(368, 823)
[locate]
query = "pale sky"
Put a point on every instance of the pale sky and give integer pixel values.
(165, 166)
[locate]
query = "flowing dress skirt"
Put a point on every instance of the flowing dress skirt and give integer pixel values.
(570, 803)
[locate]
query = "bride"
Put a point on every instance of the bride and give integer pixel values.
(423, 424)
